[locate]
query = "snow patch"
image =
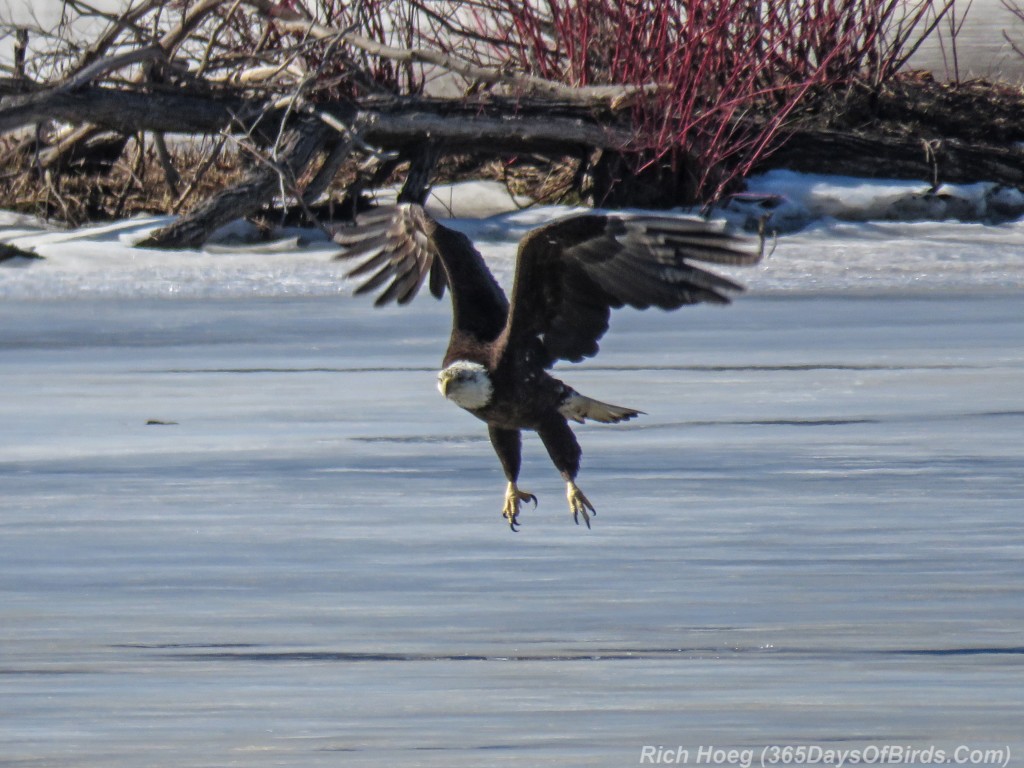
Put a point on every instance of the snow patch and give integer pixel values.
(836, 234)
(795, 200)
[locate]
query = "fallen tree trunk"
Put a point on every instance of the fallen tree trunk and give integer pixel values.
(509, 129)
(497, 126)
(128, 111)
(297, 150)
(938, 161)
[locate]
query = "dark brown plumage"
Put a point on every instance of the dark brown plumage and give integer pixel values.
(569, 275)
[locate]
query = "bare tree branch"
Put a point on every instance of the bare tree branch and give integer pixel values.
(299, 147)
(104, 66)
(613, 96)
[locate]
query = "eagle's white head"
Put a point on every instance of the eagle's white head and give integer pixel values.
(466, 384)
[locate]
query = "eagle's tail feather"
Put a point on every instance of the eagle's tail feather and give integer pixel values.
(580, 407)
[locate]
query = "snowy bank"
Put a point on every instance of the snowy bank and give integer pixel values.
(836, 235)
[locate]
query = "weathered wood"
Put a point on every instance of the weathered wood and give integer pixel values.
(299, 147)
(171, 175)
(487, 132)
(615, 97)
(8, 251)
(616, 182)
(497, 127)
(851, 154)
(89, 150)
(127, 111)
(101, 67)
(423, 159)
(336, 156)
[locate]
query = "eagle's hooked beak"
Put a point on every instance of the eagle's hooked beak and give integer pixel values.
(442, 384)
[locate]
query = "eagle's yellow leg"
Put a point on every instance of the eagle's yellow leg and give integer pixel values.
(578, 503)
(513, 498)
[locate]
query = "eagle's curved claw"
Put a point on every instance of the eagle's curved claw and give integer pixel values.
(578, 503)
(513, 498)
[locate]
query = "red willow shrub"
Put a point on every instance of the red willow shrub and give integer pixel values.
(729, 72)
(725, 75)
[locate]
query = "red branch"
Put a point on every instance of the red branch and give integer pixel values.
(718, 61)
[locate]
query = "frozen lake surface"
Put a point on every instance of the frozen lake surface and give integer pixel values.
(814, 537)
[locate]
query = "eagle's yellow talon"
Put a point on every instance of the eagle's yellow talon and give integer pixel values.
(513, 498)
(578, 504)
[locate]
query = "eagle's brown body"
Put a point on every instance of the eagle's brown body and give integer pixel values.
(569, 275)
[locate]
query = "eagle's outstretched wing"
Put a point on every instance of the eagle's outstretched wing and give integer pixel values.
(401, 249)
(571, 273)
(403, 244)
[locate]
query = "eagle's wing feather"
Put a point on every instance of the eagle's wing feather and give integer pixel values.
(404, 245)
(400, 249)
(570, 274)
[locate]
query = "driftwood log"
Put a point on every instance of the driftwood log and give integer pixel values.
(296, 150)
(936, 161)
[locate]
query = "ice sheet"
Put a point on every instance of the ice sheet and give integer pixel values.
(813, 538)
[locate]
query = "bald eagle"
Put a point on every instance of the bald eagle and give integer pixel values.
(569, 275)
